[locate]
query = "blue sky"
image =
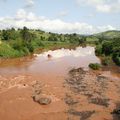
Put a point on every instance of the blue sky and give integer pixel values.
(62, 16)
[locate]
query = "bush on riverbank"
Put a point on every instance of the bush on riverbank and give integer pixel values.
(95, 66)
(116, 56)
(7, 51)
(106, 61)
(98, 50)
(109, 49)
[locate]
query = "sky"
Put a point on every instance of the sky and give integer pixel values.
(61, 16)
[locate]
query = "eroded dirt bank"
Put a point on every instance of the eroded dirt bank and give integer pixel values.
(82, 95)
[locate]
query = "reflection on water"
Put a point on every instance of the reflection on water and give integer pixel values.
(61, 61)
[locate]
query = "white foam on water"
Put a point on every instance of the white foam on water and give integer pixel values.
(78, 52)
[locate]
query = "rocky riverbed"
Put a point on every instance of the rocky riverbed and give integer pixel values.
(91, 95)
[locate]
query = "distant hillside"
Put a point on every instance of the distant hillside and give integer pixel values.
(108, 34)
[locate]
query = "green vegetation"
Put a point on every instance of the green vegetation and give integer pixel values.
(109, 48)
(22, 42)
(95, 66)
(106, 61)
(7, 51)
(108, 34)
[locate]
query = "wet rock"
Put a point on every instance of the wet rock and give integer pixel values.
(78, 70)
(101, 77)
(41, 100)
(36, 98)
(37, 94)
(70, 101)
(44, 101)
(116, 112)
(89, 94)
(100, 101)
(37, 88)
(38, 91)
(77, 73)
(84, 115)
(49, 56)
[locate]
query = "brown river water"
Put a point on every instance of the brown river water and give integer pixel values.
(17, 77)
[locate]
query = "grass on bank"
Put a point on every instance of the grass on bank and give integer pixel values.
(95, 66)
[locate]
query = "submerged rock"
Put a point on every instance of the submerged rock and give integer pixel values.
(44, 101)
(49, 56)
(70, 101)
(84, 115)
(100, 101)
(116, 111)
(116, 114)
(78, 70)
(36, 98)
(41, 100)
(37, 88)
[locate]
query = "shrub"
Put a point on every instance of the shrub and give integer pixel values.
(107, 47)
(95, 66)
(116, 58)
(7, 51)
(98, 50)
(106, 61)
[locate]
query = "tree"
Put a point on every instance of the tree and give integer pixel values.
(26, 35)
(5, 35)
(116, 56)
(107, 47)
(52, 38)
(98, 50)
(82, 40)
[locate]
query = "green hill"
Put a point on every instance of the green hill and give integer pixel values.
(108, 34)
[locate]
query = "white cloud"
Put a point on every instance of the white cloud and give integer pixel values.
(63, 13)
(30, 20)
(21, 14)
(106, 6)
(29, 3)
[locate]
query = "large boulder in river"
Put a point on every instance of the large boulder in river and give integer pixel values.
(44, 101)
(49, 56)
(36, 98)
(41, 100)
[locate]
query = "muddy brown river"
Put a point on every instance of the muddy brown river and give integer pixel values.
(82, 94)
